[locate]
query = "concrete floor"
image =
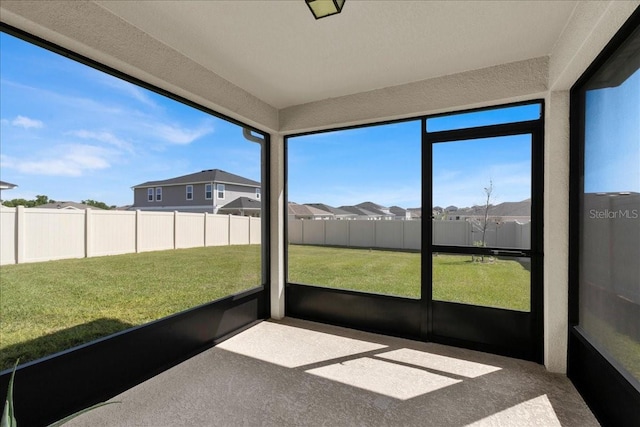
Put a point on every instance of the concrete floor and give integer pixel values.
(298, 373)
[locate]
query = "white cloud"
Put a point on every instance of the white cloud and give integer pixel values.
(179, 135)
(71, 160)
(26, 122)
(129, 89)
(106, 137)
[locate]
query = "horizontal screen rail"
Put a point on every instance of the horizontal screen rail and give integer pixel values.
(478, 250)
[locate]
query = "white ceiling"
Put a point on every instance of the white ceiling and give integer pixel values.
(278, 52)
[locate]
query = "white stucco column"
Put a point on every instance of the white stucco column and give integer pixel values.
(556, 231)
(277, 211)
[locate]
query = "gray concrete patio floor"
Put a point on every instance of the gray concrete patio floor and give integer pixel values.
(299, 373)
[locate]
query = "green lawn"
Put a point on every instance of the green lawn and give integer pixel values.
(49, 306)
(499, 283)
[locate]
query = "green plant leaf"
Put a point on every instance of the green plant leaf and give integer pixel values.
(76, 414)
(8, 414)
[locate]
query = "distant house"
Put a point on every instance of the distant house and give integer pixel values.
(242, 206)
(6, 186)
(400, 213)
(503, 212)
(296, 211)
(414, 213)
(382, 212)
(67, 205)
(337, 213)
(205, 191)
(362, 213)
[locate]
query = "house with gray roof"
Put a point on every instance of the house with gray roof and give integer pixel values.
(382, 212)
(399, 213)
(68, 206)
(6, 186)
(296, 211)
(364, 213)
(205, 191)
(337, 213)
(242, 206)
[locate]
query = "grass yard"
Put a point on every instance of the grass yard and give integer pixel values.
(501, 283)
(50, 306)
(382, 272)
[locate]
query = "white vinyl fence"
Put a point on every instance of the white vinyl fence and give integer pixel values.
(404, 234)
(32, 235)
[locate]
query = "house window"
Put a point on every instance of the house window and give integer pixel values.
(189, 192)
(208, 191)
(257, 194)
(220, 190)
(158, 194)
(150, 194)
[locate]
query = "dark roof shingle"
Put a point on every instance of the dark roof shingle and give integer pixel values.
(209, 175)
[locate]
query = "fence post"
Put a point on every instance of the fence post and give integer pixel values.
(324, 232)
(138, 231)
(249, 225)
(88, 236)
(175, 228)
(20, 235)
(206, 216)
(229, 229)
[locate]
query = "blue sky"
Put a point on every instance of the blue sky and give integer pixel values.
(612, 138)
(74, 133)
(382, 164)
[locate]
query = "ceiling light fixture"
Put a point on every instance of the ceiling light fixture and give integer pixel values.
(323, 8)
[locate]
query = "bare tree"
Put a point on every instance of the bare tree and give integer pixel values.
(482, 224)
(488, 191)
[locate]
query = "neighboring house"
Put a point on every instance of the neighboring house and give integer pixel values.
(205, 191)
(400, 213)
(242, 206)
(337, 213)
(490, 218)
(296, 211)
(414, 213)
(6, 186)
(67, 205)
(377, 209)
(365, 213)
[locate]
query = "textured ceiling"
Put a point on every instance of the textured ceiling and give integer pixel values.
(278, 52)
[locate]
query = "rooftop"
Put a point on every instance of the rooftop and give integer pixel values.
(210, 175)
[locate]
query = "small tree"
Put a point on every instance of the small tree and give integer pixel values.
(488, 191)
(481, 224)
